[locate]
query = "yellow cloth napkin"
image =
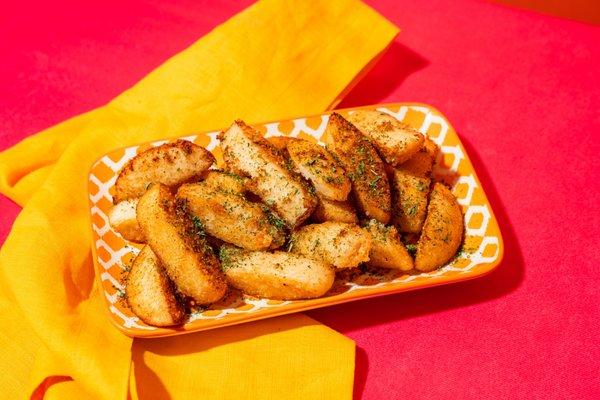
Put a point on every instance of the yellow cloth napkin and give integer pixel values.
(271, 61)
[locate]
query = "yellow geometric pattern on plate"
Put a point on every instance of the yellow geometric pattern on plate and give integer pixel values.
(483, 241)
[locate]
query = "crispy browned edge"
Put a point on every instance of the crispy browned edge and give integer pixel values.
(179, 216)
(185, 145)
(446, 193)
(276, 156)
(259, 140)
(281, 142)
(273, 148)
(395, 124)
(381, 199)
(422, 162)
(176, 308)
(341, 183)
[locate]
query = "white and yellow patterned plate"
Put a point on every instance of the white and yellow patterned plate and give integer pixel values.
(481, 252)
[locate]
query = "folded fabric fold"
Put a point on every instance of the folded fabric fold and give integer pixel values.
(270, 61)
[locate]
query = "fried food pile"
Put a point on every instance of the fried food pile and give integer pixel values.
(282, 215)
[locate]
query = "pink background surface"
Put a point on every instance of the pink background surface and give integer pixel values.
(522, 90)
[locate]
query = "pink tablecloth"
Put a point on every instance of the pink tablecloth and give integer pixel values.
(523, 92)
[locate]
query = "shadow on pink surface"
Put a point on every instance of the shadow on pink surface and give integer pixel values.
(396, 64)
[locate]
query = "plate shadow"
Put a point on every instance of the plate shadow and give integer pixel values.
(395, 65)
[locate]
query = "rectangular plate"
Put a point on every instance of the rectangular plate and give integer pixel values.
(482, 250)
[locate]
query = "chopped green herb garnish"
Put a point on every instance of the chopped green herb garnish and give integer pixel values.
(198, 226)
(412, 211)
(316, 244)
(233, 175)
(275, 220)
(120, 292)
(225, 257)
(373, 183)
(412, 249)
(361, 168)
(289, 164)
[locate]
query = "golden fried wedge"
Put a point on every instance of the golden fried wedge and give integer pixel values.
(150, 293)
(442, 232)
(315, 163)
(387, 251)
(409, 199)
(180, 246)
(275, 275)
(410, 188)
(396, 142)
(421, 164)
(247, 153)
(230, 217)
(363, 166)
(170, 164)
(122, 218)
(225, 181)
(281, 142)
(336, 243)
(337, 211)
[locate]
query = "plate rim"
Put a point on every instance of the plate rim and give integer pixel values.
(482, 269)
